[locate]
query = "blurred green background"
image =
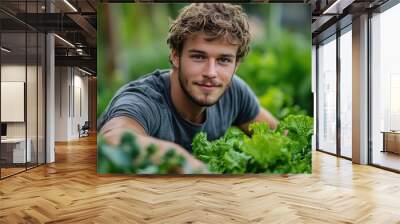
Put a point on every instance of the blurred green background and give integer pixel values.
(132, 43)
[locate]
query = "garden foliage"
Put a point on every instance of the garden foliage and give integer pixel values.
(285, 150)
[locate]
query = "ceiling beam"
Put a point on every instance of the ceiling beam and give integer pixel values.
(86, 26)
(83, 61)
(337, 7)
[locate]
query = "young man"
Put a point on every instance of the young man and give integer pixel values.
(199, 93)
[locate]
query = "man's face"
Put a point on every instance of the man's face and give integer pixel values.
(205, 68)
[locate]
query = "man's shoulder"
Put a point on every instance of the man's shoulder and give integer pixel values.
(151, 86)
(142, 99)
(153, 79)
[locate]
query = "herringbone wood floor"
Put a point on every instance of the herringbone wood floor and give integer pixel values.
(69, 191)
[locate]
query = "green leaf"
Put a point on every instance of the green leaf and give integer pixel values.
(266, 151)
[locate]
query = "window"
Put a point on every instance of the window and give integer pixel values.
(385, 88)
(327, 95)
(346, 93)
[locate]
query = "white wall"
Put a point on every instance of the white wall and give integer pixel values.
(33, 126)
(61, 103)
(12, 73)
(71, 87)
(12, 100)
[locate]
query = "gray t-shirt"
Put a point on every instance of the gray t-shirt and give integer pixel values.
(148, 101)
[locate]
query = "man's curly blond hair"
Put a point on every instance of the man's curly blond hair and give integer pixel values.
(216, 20)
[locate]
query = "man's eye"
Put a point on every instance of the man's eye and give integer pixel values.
(197, 57)
(225, 60)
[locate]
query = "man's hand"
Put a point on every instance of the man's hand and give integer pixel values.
(114, 128)
(195, 166)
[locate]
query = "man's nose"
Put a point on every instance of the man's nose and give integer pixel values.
(211, 70)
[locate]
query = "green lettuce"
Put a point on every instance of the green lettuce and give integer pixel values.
(285, 150)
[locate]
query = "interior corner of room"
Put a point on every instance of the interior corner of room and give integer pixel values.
(357, 76)
(48, 80)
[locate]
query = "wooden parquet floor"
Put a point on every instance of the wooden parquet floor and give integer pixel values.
(70, 191)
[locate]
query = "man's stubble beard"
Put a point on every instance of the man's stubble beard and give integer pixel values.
(190, 97)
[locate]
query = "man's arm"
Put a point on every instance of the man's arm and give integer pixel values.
(263, 116)
(115, 127)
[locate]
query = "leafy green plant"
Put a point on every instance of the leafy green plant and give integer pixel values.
(222, 155)
(285, 150)
(126, 158)
(278, 70)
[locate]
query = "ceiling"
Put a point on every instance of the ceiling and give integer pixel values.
(74, 21)
(330, 15)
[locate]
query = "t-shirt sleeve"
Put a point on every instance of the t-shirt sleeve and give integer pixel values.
(136, 105)
(247, 103)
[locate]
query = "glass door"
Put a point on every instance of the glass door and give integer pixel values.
(13, 103)
(385, 89)
(327, 95)
(346, 92)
